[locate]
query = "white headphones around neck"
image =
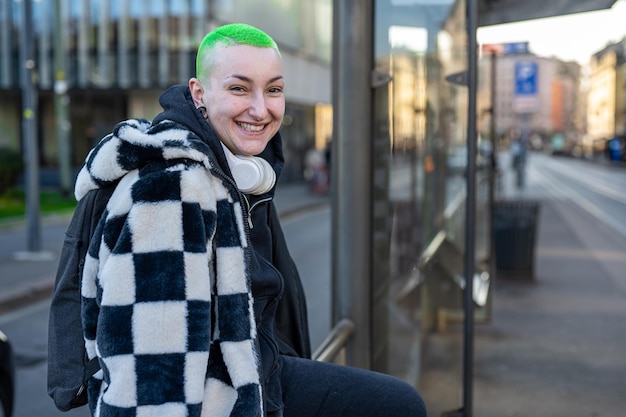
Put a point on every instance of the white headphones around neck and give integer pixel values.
(252, 174)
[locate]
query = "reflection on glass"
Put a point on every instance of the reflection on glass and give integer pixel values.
(418, 44)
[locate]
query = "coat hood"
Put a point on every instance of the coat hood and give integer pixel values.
(179, 132)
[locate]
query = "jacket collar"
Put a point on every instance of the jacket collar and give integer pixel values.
(178, 107)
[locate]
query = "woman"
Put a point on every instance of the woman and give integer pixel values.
(190, 299)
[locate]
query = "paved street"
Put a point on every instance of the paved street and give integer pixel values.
(553, 346)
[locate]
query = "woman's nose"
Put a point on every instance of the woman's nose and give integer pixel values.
(258, 107)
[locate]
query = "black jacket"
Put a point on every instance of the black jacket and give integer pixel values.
(280, 313)
(291, 317)
(280, 307)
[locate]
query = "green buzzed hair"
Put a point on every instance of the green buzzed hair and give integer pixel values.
(227, 35)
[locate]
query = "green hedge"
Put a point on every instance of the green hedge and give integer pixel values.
(13, 203)
(11, 164)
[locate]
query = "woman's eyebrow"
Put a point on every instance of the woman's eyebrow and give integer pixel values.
(241, 77)
(249, 80)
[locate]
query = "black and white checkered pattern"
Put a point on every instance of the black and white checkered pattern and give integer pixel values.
(167, 306)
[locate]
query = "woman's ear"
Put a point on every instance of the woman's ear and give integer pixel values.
(197, 92)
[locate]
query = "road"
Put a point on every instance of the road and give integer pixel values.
(591, 188)
(308, 235)
(598, 189)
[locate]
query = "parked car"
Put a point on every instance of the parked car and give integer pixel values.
(7, 376)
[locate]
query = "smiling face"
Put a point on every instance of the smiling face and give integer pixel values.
(243, 96)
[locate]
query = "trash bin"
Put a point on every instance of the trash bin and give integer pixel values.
(515, 236)
(615, 149)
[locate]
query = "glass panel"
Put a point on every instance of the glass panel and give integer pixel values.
(265, 15)
(43, 19)
(123, 41)
(418, 44)
(6, 46)
(318, 33)
(304, 24)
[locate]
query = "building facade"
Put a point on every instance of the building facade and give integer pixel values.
(606, 111)
(557, 106)
(583, 106)
(111, 59)
(400, 199)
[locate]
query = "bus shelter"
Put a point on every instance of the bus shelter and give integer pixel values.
(412, 192)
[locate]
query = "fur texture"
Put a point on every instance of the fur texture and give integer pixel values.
(166, 300)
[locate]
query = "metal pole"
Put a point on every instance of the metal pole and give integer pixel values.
(6, 69)
(164, 50)
(123, 61)
(29, 132)
(352, 173)
(493, 178)
(61, 103)
(104, 7)
(492, 112)
(470, 229)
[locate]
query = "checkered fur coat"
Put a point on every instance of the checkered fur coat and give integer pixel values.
(166, 299)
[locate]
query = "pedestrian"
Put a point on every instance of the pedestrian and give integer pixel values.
(519, 151)
(316, 171)
(191, 301)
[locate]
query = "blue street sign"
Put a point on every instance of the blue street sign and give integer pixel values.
(525, 78)
(515, 48)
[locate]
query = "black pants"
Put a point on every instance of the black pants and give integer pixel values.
(318, 389)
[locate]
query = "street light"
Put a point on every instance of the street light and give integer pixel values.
(29, 138)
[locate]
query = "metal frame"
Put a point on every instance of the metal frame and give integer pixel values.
(352, 154)
(352, 173)
(470, 213)
(335, 342)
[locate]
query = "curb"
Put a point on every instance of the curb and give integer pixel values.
(32, 294)
(39, 291)
(13, 223)
(294, 211)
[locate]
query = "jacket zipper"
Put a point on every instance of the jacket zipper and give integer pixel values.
(80, 390)
(250, 208)
(270, 340)
(245, 208)
(247, 213)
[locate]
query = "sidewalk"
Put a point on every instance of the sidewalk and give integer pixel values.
(27, 280)
(556, 345)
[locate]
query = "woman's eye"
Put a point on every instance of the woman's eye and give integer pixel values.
(275, 90)
(237, 88)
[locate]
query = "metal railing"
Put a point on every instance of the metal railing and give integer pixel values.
(335, 342)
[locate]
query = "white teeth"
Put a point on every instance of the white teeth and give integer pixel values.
(250, 127)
